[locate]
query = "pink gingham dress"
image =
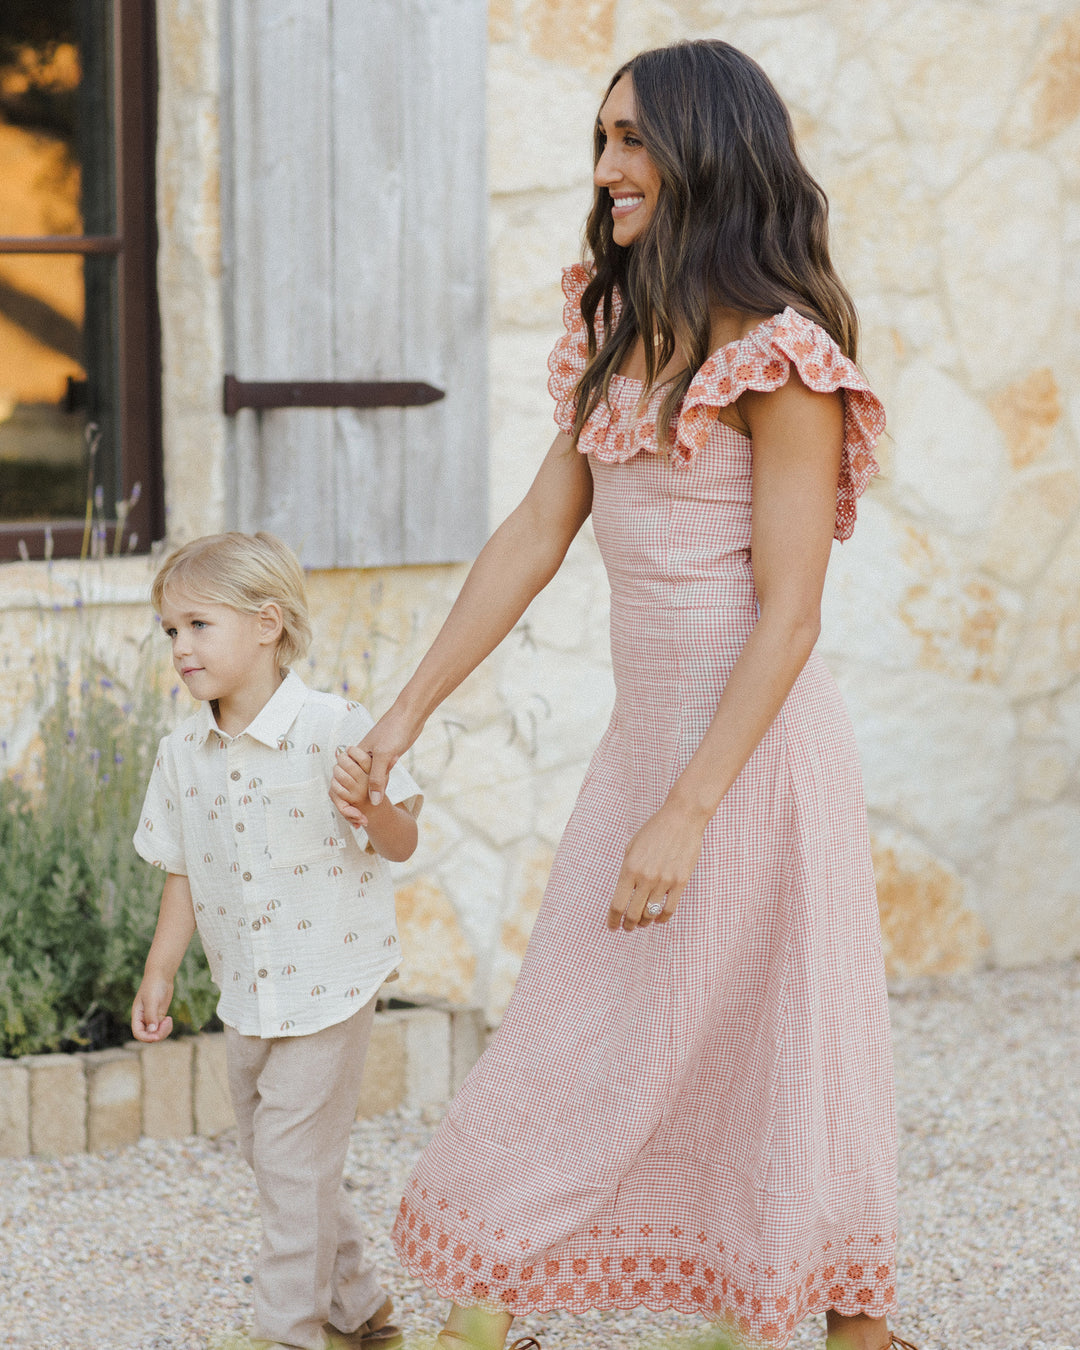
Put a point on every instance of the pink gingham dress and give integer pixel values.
(698, 1115)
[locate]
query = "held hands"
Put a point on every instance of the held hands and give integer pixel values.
(351, 786)
(149, 1012)
(657, 865)
(361, 772)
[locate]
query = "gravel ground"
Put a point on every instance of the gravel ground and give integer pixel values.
(150, 1248)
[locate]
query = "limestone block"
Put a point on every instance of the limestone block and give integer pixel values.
(883, 225)
(212, 1104)
(919, 327)
(167, 1105)
(563, 615)
(1049, 658)
(1050, 98)
(519, 916)
(473, 877)
(900, 595)
(1033, 906)
(557, 792)
(927, 926)
(570, 696)
(1066, 715)
(384, 1082)
(468, 1037)
(800, 52)
(57, 1104)
(437, 961)
(1027, 413)
(581, 32)
(113, 1098)
(500, 21)
(14, 1109)
(949, 71)
(857, 115)
(951, 462)
(937, 756)
(549, 110)
(1029, 522)
(1046, 770)
(427, 1055)
(522, 410)
(653, 23)
(489, 778)
(440, 833)
(536, 236)
(1004, 220)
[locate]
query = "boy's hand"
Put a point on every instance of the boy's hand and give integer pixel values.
(149, 1013)
(349, 788)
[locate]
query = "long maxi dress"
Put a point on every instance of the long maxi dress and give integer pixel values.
(697, 1115)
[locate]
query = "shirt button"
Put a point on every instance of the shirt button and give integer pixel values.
(240, 827)
(235, 775)
(256, 926)
(247, 876)
(262, 974)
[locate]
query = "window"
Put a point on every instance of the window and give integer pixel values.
(79, 363)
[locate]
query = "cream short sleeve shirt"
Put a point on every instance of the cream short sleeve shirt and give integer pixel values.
(294, 909)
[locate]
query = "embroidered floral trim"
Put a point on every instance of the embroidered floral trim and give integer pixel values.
(654, 1268)
(762, 361)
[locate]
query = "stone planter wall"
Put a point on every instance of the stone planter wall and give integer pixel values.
(56, 1104)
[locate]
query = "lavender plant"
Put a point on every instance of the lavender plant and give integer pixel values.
(77, 905)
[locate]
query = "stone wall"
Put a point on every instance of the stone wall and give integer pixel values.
(947, 137)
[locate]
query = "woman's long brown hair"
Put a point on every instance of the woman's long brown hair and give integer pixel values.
(739, 223)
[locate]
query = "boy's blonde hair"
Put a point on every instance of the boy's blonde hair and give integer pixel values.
(245, 572)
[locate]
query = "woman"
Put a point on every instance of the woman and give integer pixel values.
(688, 1104)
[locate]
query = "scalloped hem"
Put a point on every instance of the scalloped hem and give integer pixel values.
(742, 1331)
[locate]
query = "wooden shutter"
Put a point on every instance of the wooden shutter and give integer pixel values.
(355, 250)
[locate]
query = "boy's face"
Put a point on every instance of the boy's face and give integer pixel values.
(218, 651)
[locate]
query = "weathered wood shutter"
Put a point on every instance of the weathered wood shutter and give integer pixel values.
(355, 250)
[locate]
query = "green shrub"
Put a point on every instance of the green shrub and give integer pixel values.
(77, 904)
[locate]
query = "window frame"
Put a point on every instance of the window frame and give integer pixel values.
(134, 245)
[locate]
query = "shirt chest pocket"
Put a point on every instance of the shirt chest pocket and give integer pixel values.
(302, 826)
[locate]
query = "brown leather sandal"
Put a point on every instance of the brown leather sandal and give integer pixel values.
(377, 1333)
(895, 1343)
(526, 1343)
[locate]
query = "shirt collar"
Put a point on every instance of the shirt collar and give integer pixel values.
(273, 721)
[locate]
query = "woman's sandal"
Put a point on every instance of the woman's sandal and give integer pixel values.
(895, 1343)
(522, 1343)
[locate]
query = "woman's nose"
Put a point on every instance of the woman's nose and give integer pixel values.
(605, 172)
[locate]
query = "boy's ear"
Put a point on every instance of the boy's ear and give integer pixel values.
(271, 624)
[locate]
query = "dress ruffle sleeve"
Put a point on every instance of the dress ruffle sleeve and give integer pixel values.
(762, 361)
(571, 353)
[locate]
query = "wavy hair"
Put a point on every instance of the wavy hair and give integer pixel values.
(739, 222)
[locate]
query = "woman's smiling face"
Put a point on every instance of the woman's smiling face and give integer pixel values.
(624, 166)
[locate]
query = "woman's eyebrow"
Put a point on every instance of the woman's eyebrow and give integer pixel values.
(621, 124)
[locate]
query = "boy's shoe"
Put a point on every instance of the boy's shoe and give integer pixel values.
(377, 1333)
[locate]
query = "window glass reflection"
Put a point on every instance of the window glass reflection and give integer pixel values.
(56, 154)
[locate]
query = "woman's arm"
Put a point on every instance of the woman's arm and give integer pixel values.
(797, 443)
(514, 565)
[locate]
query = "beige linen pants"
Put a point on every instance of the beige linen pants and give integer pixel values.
(295, 1101)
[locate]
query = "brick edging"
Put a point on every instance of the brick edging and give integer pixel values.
(105, 1099)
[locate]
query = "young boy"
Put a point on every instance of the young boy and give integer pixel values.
(295, 911)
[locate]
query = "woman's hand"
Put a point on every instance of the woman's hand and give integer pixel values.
(656, 867)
